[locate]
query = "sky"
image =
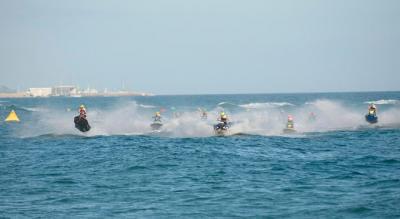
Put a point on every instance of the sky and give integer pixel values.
(202, 47)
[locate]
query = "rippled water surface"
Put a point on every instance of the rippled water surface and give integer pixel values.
(337, 166)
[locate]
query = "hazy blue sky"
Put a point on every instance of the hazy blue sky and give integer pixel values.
(207, 46)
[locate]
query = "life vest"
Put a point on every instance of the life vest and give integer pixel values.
(290, 124)
(372, 112)
(82, 112)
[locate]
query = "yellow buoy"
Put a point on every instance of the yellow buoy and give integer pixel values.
(12, 117)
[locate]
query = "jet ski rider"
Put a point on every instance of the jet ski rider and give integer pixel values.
(157, 117)
(223, 118)
(372, 109)
(290, 123)
(82, 111)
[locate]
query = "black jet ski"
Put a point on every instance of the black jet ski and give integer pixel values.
(81, 124)
(222, 128)
(156, 125)
(371, 118)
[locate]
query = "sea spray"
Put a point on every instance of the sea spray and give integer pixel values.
(130, 118)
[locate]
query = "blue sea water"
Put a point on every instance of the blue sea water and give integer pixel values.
(336, 166)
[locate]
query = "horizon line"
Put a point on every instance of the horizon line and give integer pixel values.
(300, 92)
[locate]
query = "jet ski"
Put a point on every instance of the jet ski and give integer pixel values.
(289, 127)
(222, 128)
(81, 124)
(371, 118)
(156, 125)
(289, 131)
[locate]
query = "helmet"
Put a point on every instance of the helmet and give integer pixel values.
(158, 113)
(82, 106)
(290, 118)
(222, 113)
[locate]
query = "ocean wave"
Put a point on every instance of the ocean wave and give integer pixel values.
(19, 108)
(225, 104)
(54, 135)
(383, 102)
(32, 109)
(146, 106)
(265, 105)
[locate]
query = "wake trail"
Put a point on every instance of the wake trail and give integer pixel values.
(266, 119)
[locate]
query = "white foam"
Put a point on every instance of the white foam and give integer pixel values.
(147, 106)
(383, 102)
(34, 109)
(225, 103)
(265, 105)
(116, 121)
(389, 117)
(130, 120)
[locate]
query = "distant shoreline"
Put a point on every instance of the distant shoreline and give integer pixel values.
(111, 94)
(281, 93)
(135, 94)
(13, 95)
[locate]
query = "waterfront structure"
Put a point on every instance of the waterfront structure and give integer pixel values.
(64, 91)
(90, 92)
(70, 91)
(40, 92)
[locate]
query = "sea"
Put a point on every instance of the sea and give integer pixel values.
(336, 164)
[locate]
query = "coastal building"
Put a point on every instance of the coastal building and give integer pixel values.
(40, 92)
(90, 92)
(64, 91)
(68, 91)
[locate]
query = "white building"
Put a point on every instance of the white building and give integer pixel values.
(40, 92)
(89, 92)
(64, 91)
